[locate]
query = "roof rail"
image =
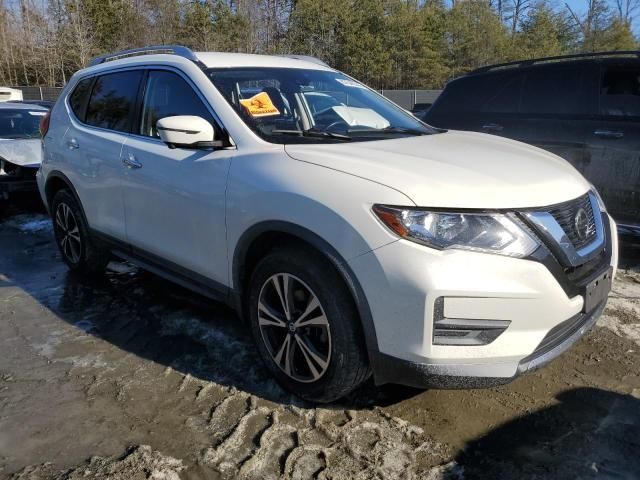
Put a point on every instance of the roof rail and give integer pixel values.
(577, 56)
(306, 58)
(179, 50)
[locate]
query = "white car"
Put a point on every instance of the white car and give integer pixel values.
(9, 94)
(20, 147)
(416, 255)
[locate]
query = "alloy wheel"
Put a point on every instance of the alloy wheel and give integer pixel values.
(69, 233)
(294, 327)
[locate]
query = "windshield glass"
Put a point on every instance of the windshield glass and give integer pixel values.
(287, 105)
(20, 123)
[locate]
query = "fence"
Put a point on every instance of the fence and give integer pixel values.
(405, 98)
(410, 98)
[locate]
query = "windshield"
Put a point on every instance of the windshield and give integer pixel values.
(287, 105)
(20, 123)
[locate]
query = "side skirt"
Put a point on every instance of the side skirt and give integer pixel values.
(167, 270)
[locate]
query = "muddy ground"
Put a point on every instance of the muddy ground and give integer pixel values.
(130, 377)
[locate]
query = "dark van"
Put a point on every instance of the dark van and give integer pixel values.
(585, 108)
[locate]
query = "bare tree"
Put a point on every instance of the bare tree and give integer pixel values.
(627, 9)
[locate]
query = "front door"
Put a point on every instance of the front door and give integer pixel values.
(175, 198)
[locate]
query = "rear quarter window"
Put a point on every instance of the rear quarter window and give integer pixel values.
(79, 96)
(113, 99)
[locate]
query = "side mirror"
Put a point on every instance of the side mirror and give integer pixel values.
(187, 131)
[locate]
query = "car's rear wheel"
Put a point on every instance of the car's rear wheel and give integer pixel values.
(306, 326)
(78, 249)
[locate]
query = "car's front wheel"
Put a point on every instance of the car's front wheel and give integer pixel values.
(306, 326)
(78, 249)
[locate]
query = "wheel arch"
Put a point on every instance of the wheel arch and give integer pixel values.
(57, 181)
(263, 237)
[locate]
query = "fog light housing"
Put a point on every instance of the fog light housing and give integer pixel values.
(464, 331)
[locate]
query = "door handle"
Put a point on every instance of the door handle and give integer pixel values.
(493, 127)
(131, 162)
(608, 134)
(73, 144)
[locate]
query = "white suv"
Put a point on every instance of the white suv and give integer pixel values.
(353, 238)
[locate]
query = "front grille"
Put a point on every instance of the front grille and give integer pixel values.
(566, 214)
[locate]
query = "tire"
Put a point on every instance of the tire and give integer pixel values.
(79, 250)
(325, 357)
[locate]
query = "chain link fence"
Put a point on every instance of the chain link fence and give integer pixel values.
(39, 93)
(405, 98)
(410, 98)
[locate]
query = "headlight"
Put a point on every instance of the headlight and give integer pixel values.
(480, 232)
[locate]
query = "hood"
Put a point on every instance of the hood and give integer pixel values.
(455, 169)
(22, 152)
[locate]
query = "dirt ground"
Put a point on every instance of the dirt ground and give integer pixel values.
(130, 377)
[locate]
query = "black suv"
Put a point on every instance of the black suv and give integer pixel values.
(585, 108)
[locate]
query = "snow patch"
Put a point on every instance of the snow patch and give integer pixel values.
(30, 223)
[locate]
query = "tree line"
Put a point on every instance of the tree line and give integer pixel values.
(385, 43)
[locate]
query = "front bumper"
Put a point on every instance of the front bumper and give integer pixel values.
(535, 297)
(421, 375)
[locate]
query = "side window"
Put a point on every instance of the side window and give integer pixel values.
(620, 92)
(494, 93)
(504, 96)
(167, 94)
(113, 100)
(556, 91)
(79, 96)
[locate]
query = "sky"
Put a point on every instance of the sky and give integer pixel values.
(580, 6)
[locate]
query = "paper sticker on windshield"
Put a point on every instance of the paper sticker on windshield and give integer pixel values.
(38, 114)
(350, 83)
(260, 105)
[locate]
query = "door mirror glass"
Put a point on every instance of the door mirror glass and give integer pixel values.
(187, 131)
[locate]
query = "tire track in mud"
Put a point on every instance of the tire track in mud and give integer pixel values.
(256, 439)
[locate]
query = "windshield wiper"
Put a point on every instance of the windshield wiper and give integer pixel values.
(312, 133)
(409, 131)
(390, 129)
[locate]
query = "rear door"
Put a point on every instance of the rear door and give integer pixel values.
(175, 198)
(93, 145)
(614, 141)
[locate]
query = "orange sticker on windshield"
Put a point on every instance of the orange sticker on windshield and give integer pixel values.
(260, 105)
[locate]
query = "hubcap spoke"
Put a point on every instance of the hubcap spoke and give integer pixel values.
(283, 357)
(281, 293)
(60, 220)
(67, 214)
(308, 351)
(311, 307)
(320, 321)
(266, 316)
(312, 368)
(75, 234)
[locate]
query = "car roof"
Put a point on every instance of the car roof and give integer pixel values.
(21, 106)
(559, 61)
(159, 54)
(231, 60)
